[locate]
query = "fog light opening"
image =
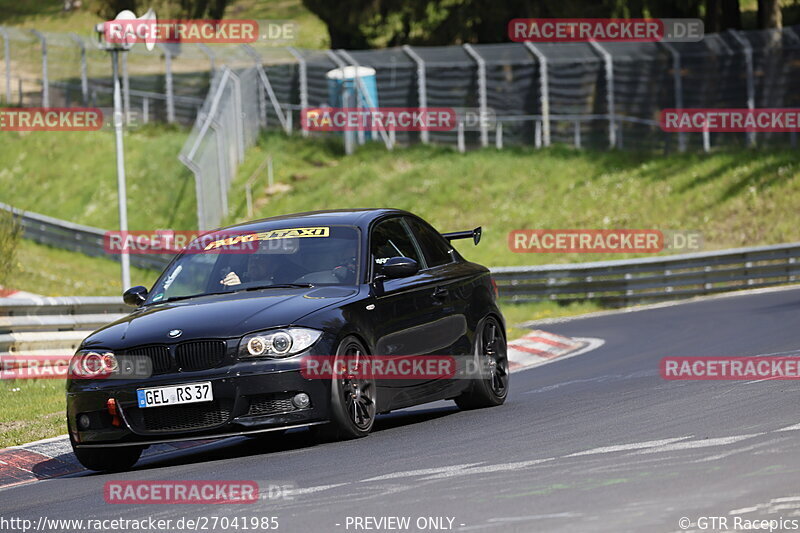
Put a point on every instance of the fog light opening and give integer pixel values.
(301, 400)
(84, 421)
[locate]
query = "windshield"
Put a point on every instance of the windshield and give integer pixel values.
(303, 256)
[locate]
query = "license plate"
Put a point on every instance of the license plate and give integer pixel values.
(175, 394)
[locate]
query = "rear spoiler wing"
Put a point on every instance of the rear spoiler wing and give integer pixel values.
(474, 234)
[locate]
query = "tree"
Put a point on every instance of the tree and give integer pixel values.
(769, 14)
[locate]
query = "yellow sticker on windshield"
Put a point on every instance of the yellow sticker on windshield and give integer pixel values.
(289, 233)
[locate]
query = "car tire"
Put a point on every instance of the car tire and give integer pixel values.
(492, 357)
(115, 459)
(353, 402)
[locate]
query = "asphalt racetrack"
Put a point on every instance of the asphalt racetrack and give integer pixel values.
(597, 442)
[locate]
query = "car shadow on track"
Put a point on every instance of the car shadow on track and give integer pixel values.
(271, 443)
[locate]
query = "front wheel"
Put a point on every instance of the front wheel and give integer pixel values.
(114, 459)
(353, 398)
(491, 388)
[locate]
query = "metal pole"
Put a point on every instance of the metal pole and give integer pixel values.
(268, 86)
(612, 117)
(212, 59)
(126, 89)
(544, 89)
(168, 79)
(422, 88)
(677, 81)
(121, 188)
(238, 117)
(751, 90)
(303, 72)
(461, 147)
(481, 92)
(7, 61)
(84, 69)
(498, 136)
(577, 134)
(45, 82)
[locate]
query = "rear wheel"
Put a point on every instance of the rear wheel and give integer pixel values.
(114, 459)
(491, 388)
(353, 398)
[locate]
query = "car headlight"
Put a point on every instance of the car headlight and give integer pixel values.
(277, 343)
(93, 364)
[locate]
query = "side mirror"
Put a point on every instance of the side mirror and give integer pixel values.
(399, 267)
(135, 296)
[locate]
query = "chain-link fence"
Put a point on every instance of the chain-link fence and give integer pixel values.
(583, 94)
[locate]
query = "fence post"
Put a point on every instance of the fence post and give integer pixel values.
(45, 82)
(212, 59)
(168, 80)
(422, 88)
(268, 86)
(381, 130)
(7, 61)
(84, 73)
(537, 134)
(577, 128)
(677, 81)
(145, 110)
(461, 146)
(481, 92)
(303, 75)
(498, 136)
(544, 89)
(706, 140)
(238, 115)
(751, 89)
(612, 117)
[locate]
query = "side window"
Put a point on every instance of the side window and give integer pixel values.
(390, 238)
(436, 249)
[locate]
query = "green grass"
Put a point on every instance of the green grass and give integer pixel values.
(735, 198)
(47, 15)
(33, 409)
(54, 272)
(72, 176)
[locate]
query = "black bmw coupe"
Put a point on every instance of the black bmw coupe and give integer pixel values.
(215, 348)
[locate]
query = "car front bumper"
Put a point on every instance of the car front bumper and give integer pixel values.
(248, 397)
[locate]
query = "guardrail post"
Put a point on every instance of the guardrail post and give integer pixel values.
(706, 140)
(544, 89)
(677, 85)
(7, 62)
(422, 88)
(45, 81)
(84, 68)
(168, 81)
(482, 98)
(751, 89)
(461, 145)
(303, 75)
(612, 116)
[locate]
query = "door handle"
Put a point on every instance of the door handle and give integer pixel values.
(440, 292)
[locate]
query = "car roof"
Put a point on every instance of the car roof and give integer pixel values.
(350, 217)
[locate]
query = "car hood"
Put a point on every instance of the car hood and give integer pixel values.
(216, 316)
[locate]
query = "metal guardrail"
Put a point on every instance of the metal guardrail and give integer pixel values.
(618, 283)
(625, 282)
(76, 237)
